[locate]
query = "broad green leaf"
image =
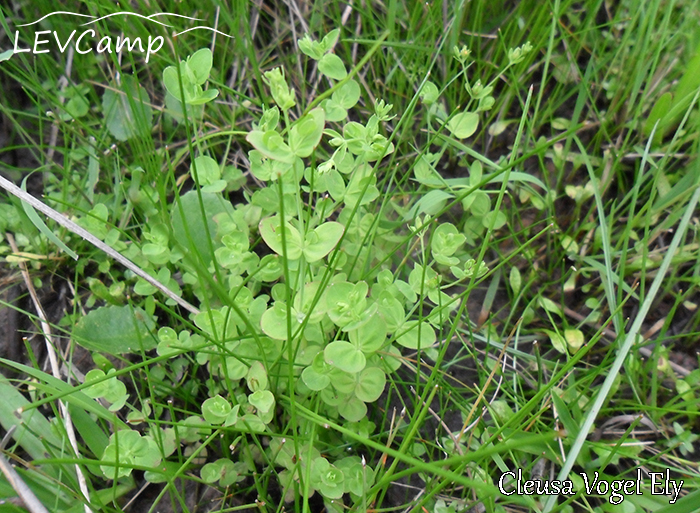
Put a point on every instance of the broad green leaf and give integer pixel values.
(256, 379)
(217, 323)
(206, 169)
(303, 302)
(371, 336)
(322, 240)
(263, 400)
(345, 356)
(216, 409)
(175, 108)
(222, 470)
(346, 302)
(478, 203)
(306, 133)
(463, 125)
(271, 145)
(333, 110)
(353, 409)
(370, 384)
(574, 339)
(331, 66)
(499, 221)
(348, 95)
(431, 203)
(115, 330)
(329, 40)
(190, 228)
(550, 306)
(271, 232)
(172, 84)
(203, 97)
(446, 240)
(419, 335)
(429, 93)
(391, 312)
(200, 63)
(314, 379)
(127, 111)
(362, 187)
(129, 448)
(425, 172)
(112, 390)
(274, 322)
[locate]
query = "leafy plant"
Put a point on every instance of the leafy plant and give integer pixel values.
(421, 293)
(319, 321)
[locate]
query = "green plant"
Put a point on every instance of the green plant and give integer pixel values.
(319, 322)
(456, 276)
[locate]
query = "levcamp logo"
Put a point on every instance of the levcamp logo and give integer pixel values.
(86, 40)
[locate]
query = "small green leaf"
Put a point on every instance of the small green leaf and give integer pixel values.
(314, 379)
(557, 341)
(172, 84)
(281, 93)
(203, 97)
(574, 339)
(333, 110)
(463, 125)
(306, 133)
(131, 449)
(515, 280)
(206, 170)
(431, 203)
(345, 356)
(446, 240)
(550, 305)
(216, 409)
(331, 66)
(329, 40)
(478, 203)
(348, 95)
(498, 219)
(257, 377)
(6, 55)
(200, 63)
(263, 400)
(419, 335)
(190, 229)
(274, 322)
(352, 410)
(429, 93)
(346, 302)
(271, 232)
(222, 470)
(310, 47)
(370, 384)
(322, 240)
(371, 336)
(271, 145)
